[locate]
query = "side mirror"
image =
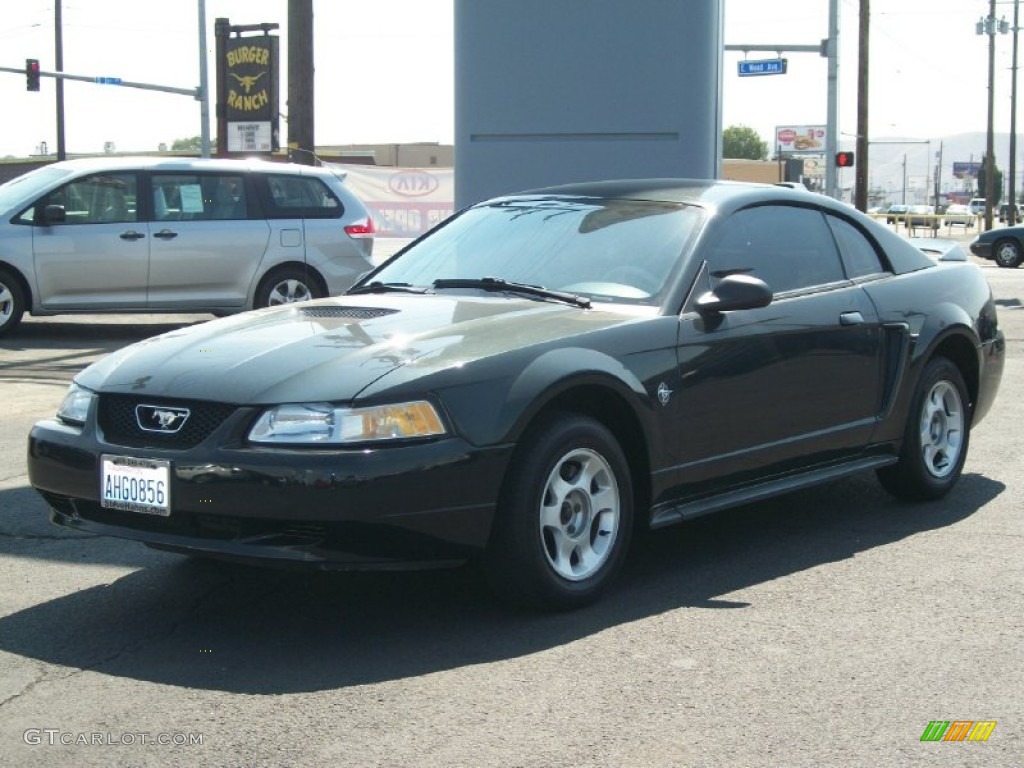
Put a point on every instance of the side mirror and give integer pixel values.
(54, 214)
(736, 292)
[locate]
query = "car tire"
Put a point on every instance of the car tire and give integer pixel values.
(287, 285)
(564, 518)
(12, 302)
(936, 438)
(1006, 253)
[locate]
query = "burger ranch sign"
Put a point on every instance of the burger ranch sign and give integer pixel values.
(247, 85)
(247, 98)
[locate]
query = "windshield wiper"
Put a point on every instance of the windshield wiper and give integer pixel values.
(378, 287)
(498, 284)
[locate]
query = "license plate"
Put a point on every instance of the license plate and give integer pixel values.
(136, 485)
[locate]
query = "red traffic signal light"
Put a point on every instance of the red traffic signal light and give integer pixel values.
(32, 74)
(844, 159)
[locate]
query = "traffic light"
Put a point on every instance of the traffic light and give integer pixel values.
(32, 74)
(844, 159)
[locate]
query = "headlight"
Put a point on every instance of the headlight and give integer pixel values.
(75, 407)
(323, 423)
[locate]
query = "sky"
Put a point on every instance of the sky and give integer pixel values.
(384, 69)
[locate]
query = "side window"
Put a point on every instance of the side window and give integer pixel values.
(788, 247)
(97, 199)
(198, 197)
(296, 197)
(859, 257)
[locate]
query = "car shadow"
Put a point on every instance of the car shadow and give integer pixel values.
(207, 625)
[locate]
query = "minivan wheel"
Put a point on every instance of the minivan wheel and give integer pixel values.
(287, 286)
(1007, 254)
(12, 302)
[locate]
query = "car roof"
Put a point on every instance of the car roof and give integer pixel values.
(149, 162)
(707, 193)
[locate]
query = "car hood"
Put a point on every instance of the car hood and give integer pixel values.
(332, 349)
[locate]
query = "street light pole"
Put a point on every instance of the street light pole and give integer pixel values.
(1011, 210)
(990, 28)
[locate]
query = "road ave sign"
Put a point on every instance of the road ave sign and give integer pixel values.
(108, 80)
(763, 67)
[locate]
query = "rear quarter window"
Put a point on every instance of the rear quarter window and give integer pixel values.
(298, 197)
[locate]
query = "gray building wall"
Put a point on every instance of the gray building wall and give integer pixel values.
(555, 91)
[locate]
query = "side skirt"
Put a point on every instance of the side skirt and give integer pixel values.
(774, 487)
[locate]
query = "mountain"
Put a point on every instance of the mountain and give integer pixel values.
(890, 158)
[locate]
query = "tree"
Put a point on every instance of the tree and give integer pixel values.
(741, 141)
(193, 144)
(997, 182)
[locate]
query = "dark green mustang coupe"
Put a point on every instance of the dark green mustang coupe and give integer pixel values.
(530, 380)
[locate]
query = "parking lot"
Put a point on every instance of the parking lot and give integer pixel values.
(828, 627)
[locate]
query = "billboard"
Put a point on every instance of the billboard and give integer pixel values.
(966, 170)
(800, 139)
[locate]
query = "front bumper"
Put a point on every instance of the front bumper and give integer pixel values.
(981, 250)
(414, 505)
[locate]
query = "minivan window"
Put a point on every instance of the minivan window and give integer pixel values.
(101, 198)
(198, 197)
(295, 197)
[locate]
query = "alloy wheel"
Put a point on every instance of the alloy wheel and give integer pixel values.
(579, 514)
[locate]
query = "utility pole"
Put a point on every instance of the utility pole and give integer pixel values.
(990, 164)
(58, 45)
(1011, 210)
(861, 169)
(301, 144)
(832, 99)
(204, 86)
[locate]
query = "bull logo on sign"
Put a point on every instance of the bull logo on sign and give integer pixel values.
(247, 81)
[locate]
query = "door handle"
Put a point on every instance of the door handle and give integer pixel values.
(851, 318)
(131, 234)
(165, 234)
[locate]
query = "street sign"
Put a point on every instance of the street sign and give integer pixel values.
(108, 80)
(749, 68)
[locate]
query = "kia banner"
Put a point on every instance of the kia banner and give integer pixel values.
(404, 202)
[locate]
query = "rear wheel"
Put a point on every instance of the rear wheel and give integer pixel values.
(564, 521)
(12, 302)
(936, 438)
(1006, 253)
(287, 286)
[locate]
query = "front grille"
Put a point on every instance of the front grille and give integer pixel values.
(351, 313)
(119, 426)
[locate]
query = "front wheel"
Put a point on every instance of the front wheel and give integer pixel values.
(564, 520)
(936, 438)
(1007, 254)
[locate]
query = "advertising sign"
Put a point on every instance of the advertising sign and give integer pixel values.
(248, 88)
(966, 170)
(800, 139)
(404, 202)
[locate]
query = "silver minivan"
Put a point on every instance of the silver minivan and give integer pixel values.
(137, 234)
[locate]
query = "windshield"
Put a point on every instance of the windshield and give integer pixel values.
(25, 187)
(607, 250)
